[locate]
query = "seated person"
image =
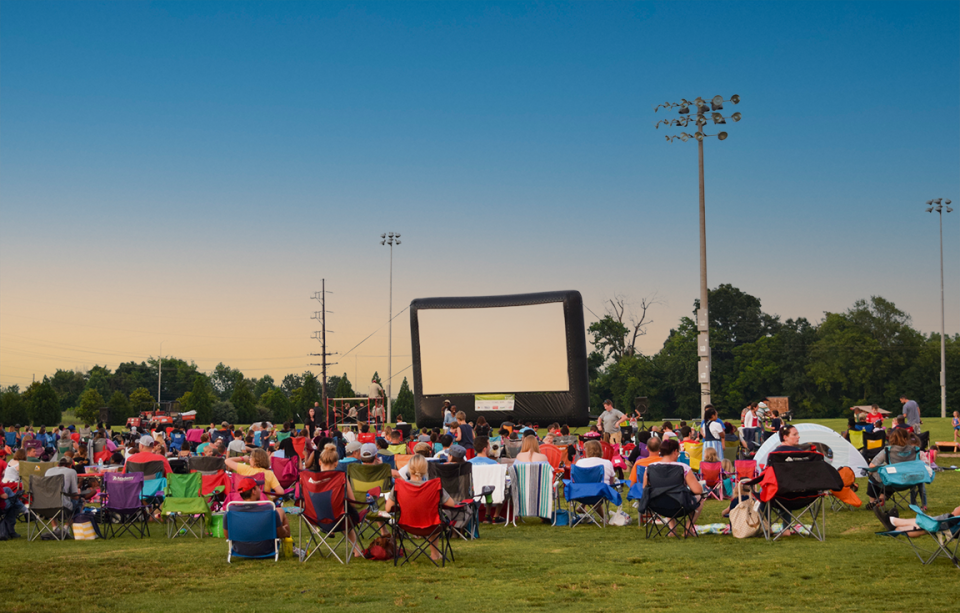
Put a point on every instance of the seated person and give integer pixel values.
(257, 462)
(710, 455)
(530, 451)
(456, 455)
(417, 468)
(147, 454)
(365, 435)
(669, 454)
(641, 450)
(445, 442)
(653, 446)
(900, 449)
(420, 449)
(11, 507)
(789, 439)
(481, 445)
(892, 522)
(396, 445)
(249, 491)
(746, 491)
(594, 457)
(329, 459)
(592, 433)
(353, 453)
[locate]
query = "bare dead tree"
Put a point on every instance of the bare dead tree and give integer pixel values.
(636, 323)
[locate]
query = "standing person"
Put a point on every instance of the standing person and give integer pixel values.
(465, 434)
(310, 423)
(751, 426)
(712, 430)
(956, 425)
(610, 420)
(375, 394)
(449, 419)
(911, 412)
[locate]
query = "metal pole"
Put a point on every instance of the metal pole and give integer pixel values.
(943, 333)
(704, 387)
(159, 373)
(390, 345)
(323, 337)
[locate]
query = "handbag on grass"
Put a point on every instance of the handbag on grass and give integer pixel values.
(744, 518)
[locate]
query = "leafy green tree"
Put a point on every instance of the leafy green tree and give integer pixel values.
(333, 383)
(68, 384)
(43, 407)
(13, 410)
(223, 380)
(278, 403)
(200, 399)
(263, 385)
(243, 401)
(344, 389)
(677, 366)
(403, 405)
(609, 337)
(119, 407)
(131, 375)
(141, 400)
(290, 383)
(225, 411)
(309, 392)
(98, 379)
(89, 408)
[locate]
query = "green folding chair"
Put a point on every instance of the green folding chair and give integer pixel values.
(366, 479)
(184, 506)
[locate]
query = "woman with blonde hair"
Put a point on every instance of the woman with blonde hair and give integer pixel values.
(329, 458)
(417, 466)
(530, 451)
(258, 461)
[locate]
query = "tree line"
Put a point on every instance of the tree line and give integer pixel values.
(865, 355)
(222, 395)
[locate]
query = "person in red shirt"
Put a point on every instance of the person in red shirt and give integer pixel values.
(146, 454)
(875, 417)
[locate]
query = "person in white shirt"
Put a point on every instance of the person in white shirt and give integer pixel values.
(593, 456)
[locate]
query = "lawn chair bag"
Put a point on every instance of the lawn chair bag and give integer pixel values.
(905, 474)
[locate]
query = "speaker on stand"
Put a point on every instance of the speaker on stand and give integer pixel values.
(640, 405)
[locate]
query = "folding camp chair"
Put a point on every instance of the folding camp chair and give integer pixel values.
(121, 509)
(533, 491)
(33, 469)
(745, 469)
(184, 505)
(667, 502)
(324, 500)
(944, 534)
(251, 529)
(154, 481)
(418, 515)
(368, 482)
(901, 478)
(793, 485)
(512, 448)
(46, 507)
(588, 496)
(694, 453)
(490, 486)
(711, 475)
(847, 497)
(389, 459)
(287, 471)
(457, 482)
(234, 479)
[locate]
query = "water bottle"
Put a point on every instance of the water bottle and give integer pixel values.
(100, 466)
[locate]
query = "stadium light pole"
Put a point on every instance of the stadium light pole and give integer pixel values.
(390, 239)
(939, 205)
(705, 111)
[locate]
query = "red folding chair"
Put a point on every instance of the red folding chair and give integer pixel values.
(711, 473)
(555, 455)
(418, 515)
(300, 446)
(746, 469)
(324, 512)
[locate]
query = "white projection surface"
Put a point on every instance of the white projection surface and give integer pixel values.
(491, 350)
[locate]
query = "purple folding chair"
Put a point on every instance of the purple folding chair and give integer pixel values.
(121, 509)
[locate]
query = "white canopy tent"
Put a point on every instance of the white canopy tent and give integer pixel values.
(844, 454)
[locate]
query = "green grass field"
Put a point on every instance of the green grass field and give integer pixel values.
(530, 567)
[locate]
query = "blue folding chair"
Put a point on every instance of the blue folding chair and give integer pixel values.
(588, 497)
(251, 529)
(944, 534)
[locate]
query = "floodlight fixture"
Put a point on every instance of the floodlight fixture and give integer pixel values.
(718, 118)
(699, 136)
(717, 103)
(684, 110)
(735, 99)
(736, 117)
(722, 136)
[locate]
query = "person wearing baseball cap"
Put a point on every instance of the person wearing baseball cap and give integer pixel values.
(146, 454)
(353, 453)
(368, 454)
(250, 491)
(456, 455)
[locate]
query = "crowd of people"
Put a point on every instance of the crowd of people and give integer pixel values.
(248, 451)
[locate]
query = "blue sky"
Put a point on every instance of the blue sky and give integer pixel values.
(186, 173)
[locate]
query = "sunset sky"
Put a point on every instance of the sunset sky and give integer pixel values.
(187, 173)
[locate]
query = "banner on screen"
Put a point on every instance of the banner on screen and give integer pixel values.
(493, 402)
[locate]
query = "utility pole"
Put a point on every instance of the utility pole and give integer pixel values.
(159, 373)
(939, 205)
(321, 335)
